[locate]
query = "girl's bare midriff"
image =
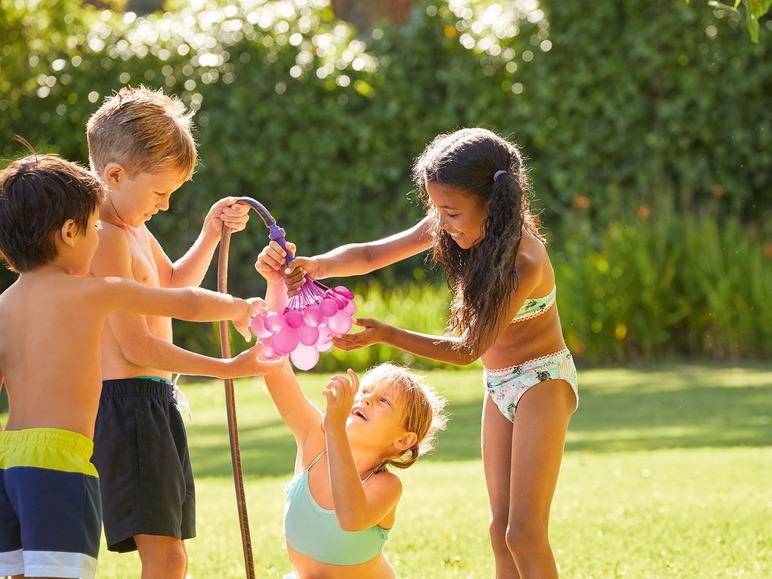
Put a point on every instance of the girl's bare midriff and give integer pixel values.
(526, 340)
(306, 568)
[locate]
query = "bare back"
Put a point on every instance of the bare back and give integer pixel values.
(128, 252)
(49, 351)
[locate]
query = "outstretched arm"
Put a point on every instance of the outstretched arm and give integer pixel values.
(300, 414)
(448, 349)
(360, 258)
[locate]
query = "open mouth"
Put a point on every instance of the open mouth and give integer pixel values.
(359, 413)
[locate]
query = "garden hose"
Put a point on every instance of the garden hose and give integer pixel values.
(225, 351)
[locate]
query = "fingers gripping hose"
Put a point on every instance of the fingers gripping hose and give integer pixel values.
(276, 233)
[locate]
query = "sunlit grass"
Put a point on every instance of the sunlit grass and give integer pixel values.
(666, 475)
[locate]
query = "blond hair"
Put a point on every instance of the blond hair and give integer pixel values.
(143, 130)
(423, 408)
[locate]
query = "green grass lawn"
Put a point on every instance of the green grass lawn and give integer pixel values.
(667, 473)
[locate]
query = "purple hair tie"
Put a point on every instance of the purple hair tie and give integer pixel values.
(497, 174)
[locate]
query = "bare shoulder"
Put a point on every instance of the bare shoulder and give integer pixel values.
(112, 239)
(113, 255)
(532, 258)
(387, 482)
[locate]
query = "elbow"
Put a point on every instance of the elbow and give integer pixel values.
(463, 355)
(352, 524)
(134, 353)
(140, 352)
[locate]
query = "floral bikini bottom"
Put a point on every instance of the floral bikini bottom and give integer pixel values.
(507, 386)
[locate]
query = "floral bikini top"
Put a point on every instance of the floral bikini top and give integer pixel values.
(535, 306)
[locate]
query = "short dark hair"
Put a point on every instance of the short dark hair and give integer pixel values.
(38, 194)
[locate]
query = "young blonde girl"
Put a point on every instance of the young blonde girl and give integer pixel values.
(342, 502)
(482, 232)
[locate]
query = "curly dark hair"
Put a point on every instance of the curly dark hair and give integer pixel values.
(482, 277)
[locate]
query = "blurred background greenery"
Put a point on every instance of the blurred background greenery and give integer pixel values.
(646, 127)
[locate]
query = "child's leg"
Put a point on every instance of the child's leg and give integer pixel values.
(497, 457)
(538, 440)
(162, 557)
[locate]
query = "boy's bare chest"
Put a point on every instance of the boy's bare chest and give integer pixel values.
(143, 266)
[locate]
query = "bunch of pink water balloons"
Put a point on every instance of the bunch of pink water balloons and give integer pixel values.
(307, 324)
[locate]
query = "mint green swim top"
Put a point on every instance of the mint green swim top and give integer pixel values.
(315, 532)
(535, 306)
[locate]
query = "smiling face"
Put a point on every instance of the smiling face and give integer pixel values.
(377, 417)
(134, 200)
(461, 216)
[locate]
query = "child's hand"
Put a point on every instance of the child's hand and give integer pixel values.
(249, 363)
(272, 261)
(296, 271)
(374, 332)
(256, 306)
(339, 394)
(229, 213)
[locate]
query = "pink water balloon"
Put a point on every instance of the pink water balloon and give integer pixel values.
(312, 316)
(340, 323)
(305, 357)
(308, 335)
(328, 307)
(293, 318)
(258, 327)
(274, 321)
(286, 340)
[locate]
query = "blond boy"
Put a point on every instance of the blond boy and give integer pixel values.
(141, 146)
(52, 320)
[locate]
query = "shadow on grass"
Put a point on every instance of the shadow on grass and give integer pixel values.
(699, 406)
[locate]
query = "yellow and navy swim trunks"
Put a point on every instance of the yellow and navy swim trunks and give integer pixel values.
(50, 509)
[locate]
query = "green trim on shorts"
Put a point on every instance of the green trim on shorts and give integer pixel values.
(153, 378)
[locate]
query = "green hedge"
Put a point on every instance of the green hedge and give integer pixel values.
(619, 107)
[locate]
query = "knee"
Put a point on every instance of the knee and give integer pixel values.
(524, 537)
(498, 533)
(176, 557)
(167, 559)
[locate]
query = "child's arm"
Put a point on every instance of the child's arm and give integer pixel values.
(191, 268)
(356, 507)
(300, 414)
(142, 348)
(448, 349)
(361, 258)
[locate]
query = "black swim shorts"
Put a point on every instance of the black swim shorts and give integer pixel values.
(141, 454)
